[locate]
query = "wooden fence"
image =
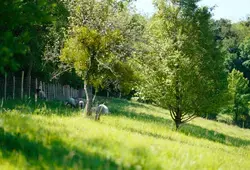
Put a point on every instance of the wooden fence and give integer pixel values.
(13, 86)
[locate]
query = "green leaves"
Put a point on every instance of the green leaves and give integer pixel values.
(237, 83)
(238, 91)
(101, 41)
(23, 28)
(182, 66)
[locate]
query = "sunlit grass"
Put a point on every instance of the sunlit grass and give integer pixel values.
(134, 136)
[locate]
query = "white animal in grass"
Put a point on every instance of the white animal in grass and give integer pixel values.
(71, 102)
(101, 109)
(75, 102)
(81, 103)
(41, 94)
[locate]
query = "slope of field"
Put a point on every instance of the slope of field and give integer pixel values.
(134, 136)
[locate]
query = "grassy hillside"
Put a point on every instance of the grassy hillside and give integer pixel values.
(134, 136)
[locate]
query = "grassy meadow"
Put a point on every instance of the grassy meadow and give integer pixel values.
(134, 136)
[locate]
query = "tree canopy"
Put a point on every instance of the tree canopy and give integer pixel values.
(183, 67)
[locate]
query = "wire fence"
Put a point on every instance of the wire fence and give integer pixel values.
(21, 86)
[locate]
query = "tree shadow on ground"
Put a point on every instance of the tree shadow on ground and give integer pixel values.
(56, 155)
(200, 132)
(42, 107)
(159, 136)
(121, 104)
(187, 129)
(145, 118)
(119, 108)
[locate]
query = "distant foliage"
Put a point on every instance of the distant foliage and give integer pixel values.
(239, 92)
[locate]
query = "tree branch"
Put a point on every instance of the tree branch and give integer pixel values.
(191, 117)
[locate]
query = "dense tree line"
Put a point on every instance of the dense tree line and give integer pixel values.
(179, 59)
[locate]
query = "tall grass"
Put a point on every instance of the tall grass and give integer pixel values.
(133, 136)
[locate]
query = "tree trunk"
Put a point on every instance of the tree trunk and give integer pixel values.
(94, 96)
(178, 118)
(236, 116)
(88, 92)
(28, 77)
(176, 115)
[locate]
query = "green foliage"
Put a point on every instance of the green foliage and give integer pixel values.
(24, 27)
(100, 42)
(235, 44)
(239, 93)
(182, 66)
(134, 136)
(90, 54)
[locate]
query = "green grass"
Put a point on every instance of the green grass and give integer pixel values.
(134, 136)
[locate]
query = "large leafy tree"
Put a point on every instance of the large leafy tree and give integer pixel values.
(24, 26)
(100, 43)
(182, 65)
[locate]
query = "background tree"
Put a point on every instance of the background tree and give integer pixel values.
(24, 26)
(239, 93)
(235, 42)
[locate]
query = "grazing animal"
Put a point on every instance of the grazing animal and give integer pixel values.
(41, 94)
(101, 109)
(81, 104)
(74, 102)
(71, 102)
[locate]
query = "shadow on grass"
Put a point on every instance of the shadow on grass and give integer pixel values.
(118, 108)
(56, 155)
(41, 107)
(121, 104)
(145, 118)
(199, 132)
(188, 129)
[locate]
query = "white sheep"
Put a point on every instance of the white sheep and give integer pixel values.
(71, 102)
(81, 103)
(101, 109)
(74, 102)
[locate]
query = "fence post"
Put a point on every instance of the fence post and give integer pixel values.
(47, 91)
(60, 92)
(5, 86)
(29, 85)
(14, 87)
(22, 85)
(43, 86)
(68, 91)
(36, 91)
(63, 91)
(49, 87)
(54, 91)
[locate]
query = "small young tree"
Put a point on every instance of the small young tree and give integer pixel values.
(238, 87)
(182, 67)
